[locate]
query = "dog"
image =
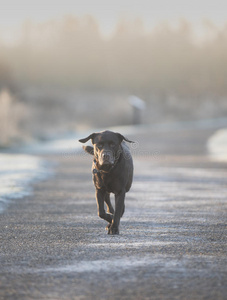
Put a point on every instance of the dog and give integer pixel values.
(112, 171)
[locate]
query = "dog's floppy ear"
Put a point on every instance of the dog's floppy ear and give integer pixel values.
(89, 149)
(91, 136)
(121, 138)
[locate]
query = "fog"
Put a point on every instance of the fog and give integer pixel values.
(63, 75)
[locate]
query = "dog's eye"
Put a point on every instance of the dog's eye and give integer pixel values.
(100, 146)
(112, 145)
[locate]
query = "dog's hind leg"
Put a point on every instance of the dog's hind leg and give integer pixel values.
(119, 210)
(123, 210)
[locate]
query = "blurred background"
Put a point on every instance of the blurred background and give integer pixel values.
(67, 66)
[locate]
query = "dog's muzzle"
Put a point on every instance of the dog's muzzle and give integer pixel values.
(106, 158)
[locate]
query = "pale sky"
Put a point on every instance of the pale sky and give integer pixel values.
(14, 12)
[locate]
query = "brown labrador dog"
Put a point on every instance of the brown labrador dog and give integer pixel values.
(112, 171)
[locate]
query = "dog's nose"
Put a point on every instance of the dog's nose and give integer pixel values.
(106, 156)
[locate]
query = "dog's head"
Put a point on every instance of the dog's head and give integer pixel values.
(106, 146)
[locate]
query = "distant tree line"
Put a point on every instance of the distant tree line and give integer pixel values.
(72, 52)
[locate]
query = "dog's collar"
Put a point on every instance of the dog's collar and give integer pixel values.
(97, 170)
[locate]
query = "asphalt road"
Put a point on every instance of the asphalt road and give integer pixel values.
(172, 242)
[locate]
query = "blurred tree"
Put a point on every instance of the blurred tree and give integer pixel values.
(6, 79)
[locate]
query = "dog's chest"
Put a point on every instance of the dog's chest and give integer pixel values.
(104, 181)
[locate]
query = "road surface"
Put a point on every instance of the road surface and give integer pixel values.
(172, 242)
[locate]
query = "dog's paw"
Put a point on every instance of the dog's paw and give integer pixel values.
(113, 230)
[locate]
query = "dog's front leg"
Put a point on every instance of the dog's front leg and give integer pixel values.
(119, 208)
(100, 198)
(110, 208)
